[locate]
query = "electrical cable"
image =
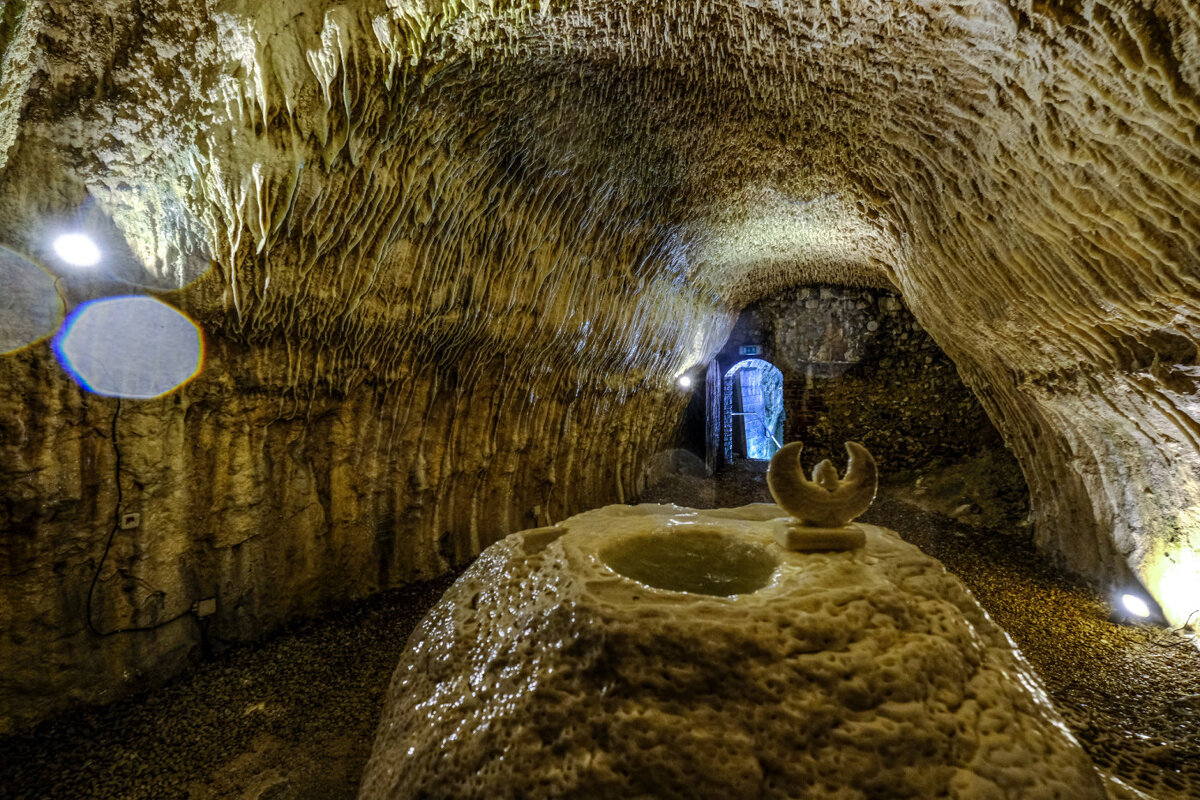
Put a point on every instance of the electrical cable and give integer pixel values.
(108, 545)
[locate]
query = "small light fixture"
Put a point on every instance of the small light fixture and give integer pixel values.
(1135, 605)
(685, 382)
(77, 249)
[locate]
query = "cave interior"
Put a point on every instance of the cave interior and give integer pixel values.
(309, 302)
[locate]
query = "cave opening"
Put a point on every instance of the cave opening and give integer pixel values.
(843, 363)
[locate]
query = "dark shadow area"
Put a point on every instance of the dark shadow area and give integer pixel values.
(291, 717)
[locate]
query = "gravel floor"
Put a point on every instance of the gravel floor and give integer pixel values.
(291, 718)
(294, 716)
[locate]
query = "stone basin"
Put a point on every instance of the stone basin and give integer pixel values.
(696, 560)
(657, 651)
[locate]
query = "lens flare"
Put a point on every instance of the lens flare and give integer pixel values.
(1174, 579)
(77, 249)
(30, 306)
(685, 382)
(131, 347)
(1135, 605)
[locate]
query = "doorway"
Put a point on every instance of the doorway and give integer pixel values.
(753, 410)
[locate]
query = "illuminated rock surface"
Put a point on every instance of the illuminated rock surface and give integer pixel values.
(475, 243)
(544, 673)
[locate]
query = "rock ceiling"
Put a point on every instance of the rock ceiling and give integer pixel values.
(599, 186)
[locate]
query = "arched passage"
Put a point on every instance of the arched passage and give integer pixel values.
(752, 410)
(855, 366)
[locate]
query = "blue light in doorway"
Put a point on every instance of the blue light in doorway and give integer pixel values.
(754, 400)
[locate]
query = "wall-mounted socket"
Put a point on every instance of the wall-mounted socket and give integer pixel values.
(130, 520)
(206, 607)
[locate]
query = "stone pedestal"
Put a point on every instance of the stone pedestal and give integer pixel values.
(803, 539)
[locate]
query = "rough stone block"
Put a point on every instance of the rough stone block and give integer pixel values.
(657, 651)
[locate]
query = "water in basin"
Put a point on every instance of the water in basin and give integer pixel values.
(698, 561)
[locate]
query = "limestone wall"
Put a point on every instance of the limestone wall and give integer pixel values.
(276, 505)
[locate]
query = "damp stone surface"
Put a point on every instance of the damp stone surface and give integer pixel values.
(545, 672)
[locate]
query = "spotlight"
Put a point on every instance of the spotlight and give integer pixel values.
(77, 249)
(1135, 605)
(685, 382)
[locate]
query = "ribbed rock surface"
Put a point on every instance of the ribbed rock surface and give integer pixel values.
(279, 507)
(545, 673)
(516, 212)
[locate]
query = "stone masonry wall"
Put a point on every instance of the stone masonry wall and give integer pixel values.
(857, 366)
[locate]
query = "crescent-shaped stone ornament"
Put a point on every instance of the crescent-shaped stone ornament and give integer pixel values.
(825, 501)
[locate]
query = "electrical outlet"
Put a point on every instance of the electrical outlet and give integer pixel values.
(206, 607)
(130, 520)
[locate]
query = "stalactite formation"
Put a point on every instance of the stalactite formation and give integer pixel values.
(483, 239)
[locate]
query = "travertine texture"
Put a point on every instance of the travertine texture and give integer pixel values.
(517, 201)
(16, 64)
(545, 673)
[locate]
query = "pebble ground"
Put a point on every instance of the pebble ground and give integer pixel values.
(293, 717)
(290, 718)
